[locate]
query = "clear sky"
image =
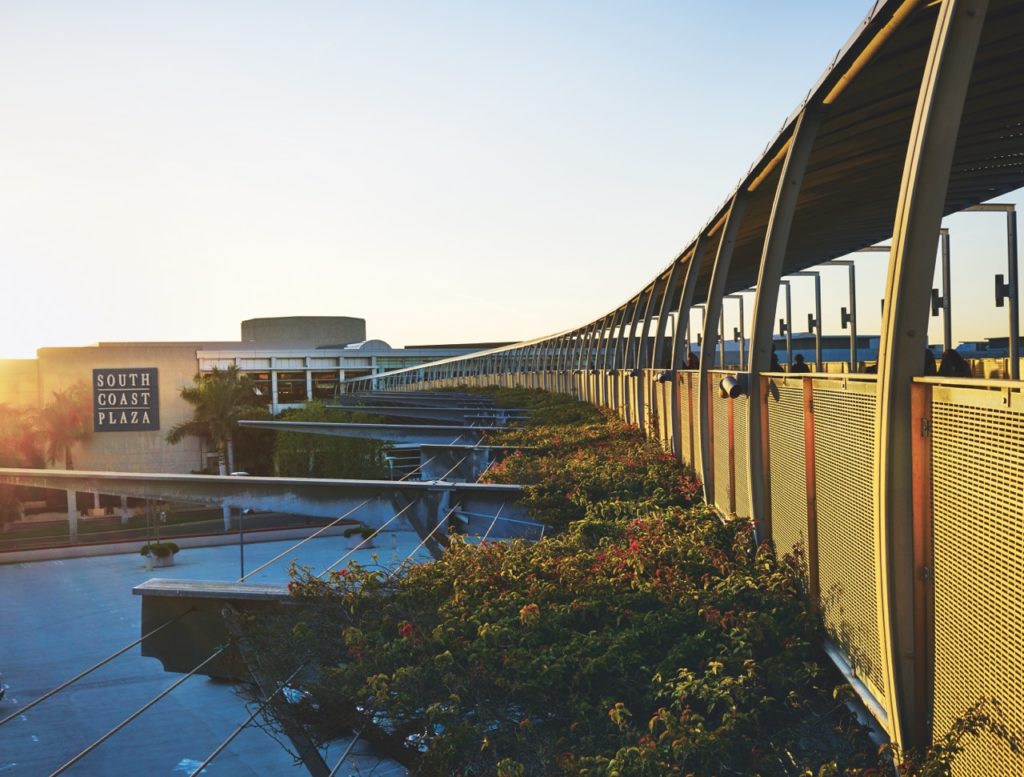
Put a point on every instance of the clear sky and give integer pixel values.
(449, 171)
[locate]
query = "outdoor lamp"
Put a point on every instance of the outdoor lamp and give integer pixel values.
(731, 387)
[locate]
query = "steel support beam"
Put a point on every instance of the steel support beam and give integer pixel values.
(643, 359)
(404, 434)
(766, 299)
(375, 500)
(919, 211)
(658, 360)
(712, 312)
(679, 344)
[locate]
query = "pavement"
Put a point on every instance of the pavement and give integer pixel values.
(59, 617)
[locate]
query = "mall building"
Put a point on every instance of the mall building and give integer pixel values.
(135, 386)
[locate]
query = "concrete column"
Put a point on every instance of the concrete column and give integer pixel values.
(309, 385)
(72, 516)
(904, 337)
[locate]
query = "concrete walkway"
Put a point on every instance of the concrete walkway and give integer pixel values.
(59, 617)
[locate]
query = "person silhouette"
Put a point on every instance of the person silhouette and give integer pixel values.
(799, 365)
(954, 365)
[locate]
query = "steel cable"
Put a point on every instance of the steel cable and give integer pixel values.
(92, 668)
(137, 713)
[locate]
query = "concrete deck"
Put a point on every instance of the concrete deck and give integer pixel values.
(59, 617)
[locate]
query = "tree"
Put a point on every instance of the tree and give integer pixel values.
(220, 400)
(65, 422)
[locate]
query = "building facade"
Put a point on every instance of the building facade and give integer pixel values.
(135, 387)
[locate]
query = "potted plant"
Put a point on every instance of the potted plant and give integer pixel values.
(358, 536)
(159, 554)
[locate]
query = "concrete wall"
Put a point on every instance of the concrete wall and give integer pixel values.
(304, 330)
(19, 382)
(60, 368)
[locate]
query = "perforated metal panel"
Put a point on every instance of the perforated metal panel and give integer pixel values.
(978, 514)
(740, 446)
(686, 431)
(786, 466)
(720, 438)
(844, 440)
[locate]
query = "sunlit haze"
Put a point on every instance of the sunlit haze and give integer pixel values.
(452, 172)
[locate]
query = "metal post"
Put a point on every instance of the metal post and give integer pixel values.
(703, 317)
(740, 332)
(848, 318)
(789, 323)
(947, 295)
(814, 323)
(721, 340)
(1011, 269)
(919, 211)
(1008, 290)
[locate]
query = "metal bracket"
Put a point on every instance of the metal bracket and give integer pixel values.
(1002, 290)
(926, 427)
(938, 301)
(845, 317)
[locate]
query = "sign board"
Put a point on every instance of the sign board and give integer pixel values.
(125, 400)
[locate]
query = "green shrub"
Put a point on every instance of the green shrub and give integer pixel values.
(159, 549)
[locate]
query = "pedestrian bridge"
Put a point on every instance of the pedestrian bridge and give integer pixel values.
(904, 491)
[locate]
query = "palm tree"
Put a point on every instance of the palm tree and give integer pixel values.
(65, 422)
(220, 399)
(19, 444)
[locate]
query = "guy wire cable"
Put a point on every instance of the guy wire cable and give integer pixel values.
(367, 539)
(303, 541)
(92, 668)
(488, 532)
(322, 529)
(137, 713)
(348, 750)
(424, 541)
(220, 748)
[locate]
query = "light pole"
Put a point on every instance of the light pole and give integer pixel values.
(848, 318)
(814, 321)
(943, 302)
(738, 333)
(786, 324)
(1008, 290)
(699, 307)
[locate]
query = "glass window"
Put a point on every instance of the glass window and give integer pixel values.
(325, 385)
(291, 387)
(261, 380)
